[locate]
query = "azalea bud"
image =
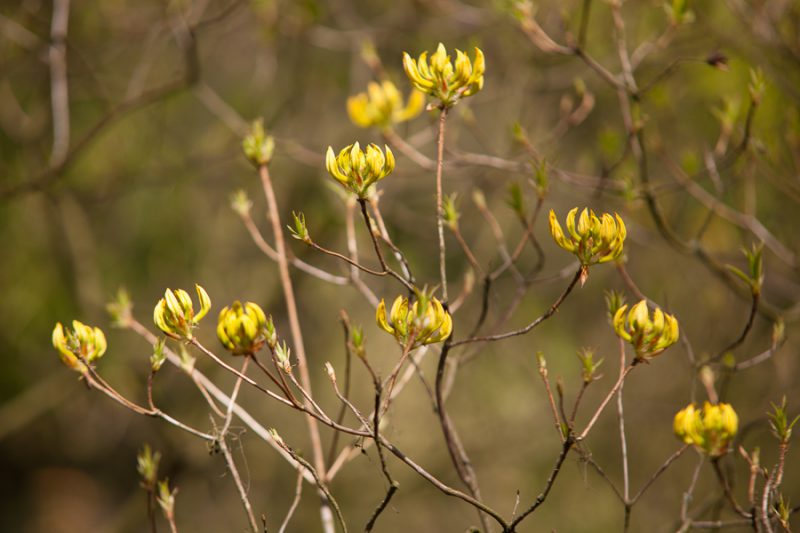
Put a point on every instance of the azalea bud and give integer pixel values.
(356, 170)
(649, 334)
(444, 80)
(711, 429)
(425, 321)
(174, 313)
(330, 371)
(79, 345)
(450, 214)
(242, 328)
(159, 355)
(283, 354)
(257, 145)
(166, 498)
(593, 240)
(147, 466)
(241, 203)
(589, 365)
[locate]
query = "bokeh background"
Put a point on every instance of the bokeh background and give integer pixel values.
(159, 96)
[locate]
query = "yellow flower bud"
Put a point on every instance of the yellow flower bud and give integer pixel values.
(441, 79)
(174, 313)
(425, 321)
(356, 170)
(711, 429)
(82, 344)
(243, 329)
(593, 240)
(382, 106)
(649, 335)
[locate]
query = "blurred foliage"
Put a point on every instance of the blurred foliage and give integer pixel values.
(160, 96)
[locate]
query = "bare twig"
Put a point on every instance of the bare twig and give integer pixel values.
(439, 200)
(623, 440)
(456, 450)
(686, 521)
(607, 399)
(294, 326)
(262, 245)
(551, 401)
(565, 448)
(326, 493)
(671, 459)
(553, 308)
(298, 493)
(223, 445)
(407, 283)
(726, 488)
(352, 250)
(747, 327)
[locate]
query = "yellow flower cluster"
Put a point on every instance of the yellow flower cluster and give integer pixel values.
(443, 79)
(711, 429)
(81, 343)
(649, 335)
(425, 321)
(243, 328)
(357, 170)
(592, 239)
(174, 313)
(382, 106)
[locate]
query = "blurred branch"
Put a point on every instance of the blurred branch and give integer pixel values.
(736, 218)
(59, 88)
(67, 154)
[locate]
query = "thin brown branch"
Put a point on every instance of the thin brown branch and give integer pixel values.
(325, 492)
(363, 204)
(223, 445)
(726, 488)
(443, 487)
(671, 459)
(551, 401)
(456, 450)
(347, 374)
(205, 384)
(553, 308)
(352, 250)
(299, 264)
(298, 493)
(439, 200)
(565, 448)
(384, 233)
(743, 335)
(294, 326)
(607, 399)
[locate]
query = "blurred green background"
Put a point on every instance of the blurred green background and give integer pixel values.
(160, 94)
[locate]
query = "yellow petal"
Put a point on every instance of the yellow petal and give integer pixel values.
(205, 303)
(571, 224)
(100, 344)
(380, 317)
(619, 323)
